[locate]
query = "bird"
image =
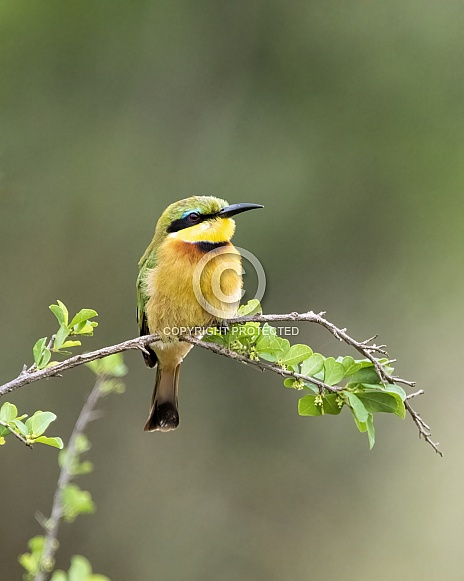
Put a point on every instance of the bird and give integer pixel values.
(179, 288)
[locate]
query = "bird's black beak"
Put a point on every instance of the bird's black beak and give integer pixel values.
(237, 209)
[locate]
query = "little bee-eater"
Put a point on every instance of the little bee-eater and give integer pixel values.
(174, 274)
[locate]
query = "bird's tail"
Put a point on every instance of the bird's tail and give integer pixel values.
(164, 415)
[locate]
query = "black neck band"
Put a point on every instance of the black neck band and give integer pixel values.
(205, 246)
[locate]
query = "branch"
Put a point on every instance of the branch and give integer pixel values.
(366, 348)
(53, 523)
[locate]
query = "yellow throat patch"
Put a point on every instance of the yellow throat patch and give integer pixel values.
(216, 230)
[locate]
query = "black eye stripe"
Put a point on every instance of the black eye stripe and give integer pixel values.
(182, 223)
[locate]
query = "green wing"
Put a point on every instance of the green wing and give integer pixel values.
(147, 262)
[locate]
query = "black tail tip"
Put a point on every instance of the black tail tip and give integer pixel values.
(163, 418)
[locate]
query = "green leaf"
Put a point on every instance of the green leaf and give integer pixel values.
(247, 332)
(308, 407)
(85, 467)
(270, 347)
(364, 363)
(76, 467)
(61, 313)
(85, 328)
(22, 429)
(213, 335)
(350, 366)
(252, 307)
(39, 422)
(38, 350)
(61, 336)
(80, 569)
(112, 386)
(76, 502)
(55, 442)
(388, 401)
(362, 426)
(46, 356)
(112, 365)
(357, 407)
(36, 544)
(312, 365)
(8, 412)
(365, 375)
(69, 344)
(82, 444)
(41, 353)
(370, 431)
(333, 371)
(296, 354)
(377, 402)
(63, 308)
(388, 388)
(31, 561)
(296, 384)
(83, 316)
(397, 390)
(268, 330)
(332, 404)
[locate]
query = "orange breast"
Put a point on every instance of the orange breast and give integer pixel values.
(190, 287)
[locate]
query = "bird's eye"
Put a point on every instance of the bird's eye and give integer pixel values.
(194, 217)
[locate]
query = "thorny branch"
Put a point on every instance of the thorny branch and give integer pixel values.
(366, 348)
(53, 523)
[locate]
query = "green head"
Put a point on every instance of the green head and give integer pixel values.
(179, 213)
(198, 218)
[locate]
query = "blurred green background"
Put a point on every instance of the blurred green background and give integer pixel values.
(345, 119)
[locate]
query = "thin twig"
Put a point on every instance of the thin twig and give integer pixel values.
(415, 394)
(17, 434)
(424, 429)
(53, 523)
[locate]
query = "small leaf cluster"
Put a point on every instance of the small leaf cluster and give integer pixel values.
(109, 370)
(31, 561)
(356, 383)
(80, 325)
(31, 430)
(80, 569)
(360, 390)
